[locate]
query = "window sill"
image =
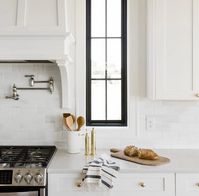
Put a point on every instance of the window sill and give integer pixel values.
(107, 124)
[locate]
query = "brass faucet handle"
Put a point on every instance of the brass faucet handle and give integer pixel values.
(197, 94)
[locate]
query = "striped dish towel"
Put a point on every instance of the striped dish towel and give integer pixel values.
(101, 172)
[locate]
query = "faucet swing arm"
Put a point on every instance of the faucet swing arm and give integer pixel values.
(15, 95)
(32, 80)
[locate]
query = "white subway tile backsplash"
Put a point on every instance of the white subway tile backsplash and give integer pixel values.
(36, 117)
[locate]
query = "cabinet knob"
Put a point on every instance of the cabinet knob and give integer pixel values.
(197, 94)
(197, 184)
(79, 184)
(141, 184)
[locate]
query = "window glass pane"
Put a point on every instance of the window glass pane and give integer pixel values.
(113, 18)
(114, 58)
(98, 58)
(98, 100)
(114, 100)
(98, 18)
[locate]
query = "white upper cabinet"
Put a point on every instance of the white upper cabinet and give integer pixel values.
(173, 51)
(32, 17)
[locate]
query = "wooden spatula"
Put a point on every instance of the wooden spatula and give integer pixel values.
(69, 122)
(65, 115)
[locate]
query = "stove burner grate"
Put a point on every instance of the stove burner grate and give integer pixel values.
(25, 156)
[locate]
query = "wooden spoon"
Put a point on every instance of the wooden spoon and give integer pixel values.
(69, 122)
(80, 122)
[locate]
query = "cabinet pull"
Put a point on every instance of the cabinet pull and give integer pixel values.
(197, 94)
(141, 184)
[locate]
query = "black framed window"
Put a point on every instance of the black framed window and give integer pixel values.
(106, 62)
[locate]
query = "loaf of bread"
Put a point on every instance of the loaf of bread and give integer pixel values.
(147, 154)
(131, 151)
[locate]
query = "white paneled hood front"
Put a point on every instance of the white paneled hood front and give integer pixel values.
(36, 30)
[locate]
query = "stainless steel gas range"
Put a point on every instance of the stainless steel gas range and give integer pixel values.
(23, 170)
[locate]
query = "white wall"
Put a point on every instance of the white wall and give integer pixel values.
(37, 117)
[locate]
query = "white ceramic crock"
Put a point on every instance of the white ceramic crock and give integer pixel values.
(74, 141)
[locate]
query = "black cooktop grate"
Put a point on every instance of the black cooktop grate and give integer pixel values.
(19, 156)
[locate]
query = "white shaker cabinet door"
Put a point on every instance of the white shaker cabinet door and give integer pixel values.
(145, 184)
(67, 184)
(126, 185)
(187, 184)
(173, 65)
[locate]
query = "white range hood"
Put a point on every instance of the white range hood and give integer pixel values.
(36, 30)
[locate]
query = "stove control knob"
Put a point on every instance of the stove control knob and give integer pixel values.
(18, 177)
(39, 178)
(28, 178)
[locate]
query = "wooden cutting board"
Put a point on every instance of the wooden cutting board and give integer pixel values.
(160, 161)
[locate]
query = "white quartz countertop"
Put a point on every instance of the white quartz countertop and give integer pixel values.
(180, 161)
